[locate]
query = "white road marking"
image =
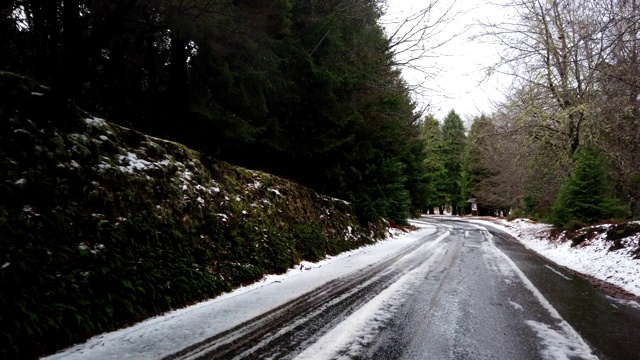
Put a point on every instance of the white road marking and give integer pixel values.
(562, 344)
(557, 272)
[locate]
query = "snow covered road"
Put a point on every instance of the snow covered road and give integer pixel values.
(165, 335)
(452, 290)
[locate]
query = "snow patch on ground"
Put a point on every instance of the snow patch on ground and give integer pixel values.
(629, 303)
(133, 163)
(557, 345)
(342, 201)
(395, 232)
(592, 257)
(516, 305)
(97, 122)
(558, 272)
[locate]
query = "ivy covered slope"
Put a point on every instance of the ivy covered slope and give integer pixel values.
(102, 226)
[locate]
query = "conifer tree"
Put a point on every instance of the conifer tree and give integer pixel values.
(434, 164)
(474, 170)
(453, 143)
(585, 195)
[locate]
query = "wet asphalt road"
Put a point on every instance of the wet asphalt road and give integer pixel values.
(470, 309)
(484, 296)
(463, 310)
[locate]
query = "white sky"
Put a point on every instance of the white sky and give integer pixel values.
(460, 83)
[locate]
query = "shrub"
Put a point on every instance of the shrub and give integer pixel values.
(515, 214)
(574, 225)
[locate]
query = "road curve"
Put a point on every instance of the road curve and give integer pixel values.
(463, 292)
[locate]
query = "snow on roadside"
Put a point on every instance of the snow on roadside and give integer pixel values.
(591, 257)
(163, 335)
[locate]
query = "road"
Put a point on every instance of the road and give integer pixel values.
(467, 291)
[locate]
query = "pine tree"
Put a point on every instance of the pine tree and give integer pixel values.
(473, 169)
(434, 163)
(586, 194)
(453, 143)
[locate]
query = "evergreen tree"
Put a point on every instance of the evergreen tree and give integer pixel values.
(586, 194)
(417, 173)
(474, 171)
(434, 164)
(453, 144)
(347, 129)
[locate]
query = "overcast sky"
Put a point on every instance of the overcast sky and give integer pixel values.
(459, 64)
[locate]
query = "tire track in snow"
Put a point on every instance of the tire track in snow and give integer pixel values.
(286, 329)
(350, 337)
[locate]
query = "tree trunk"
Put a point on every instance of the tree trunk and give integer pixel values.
(151, 92)
(178, 82)
(33, 9)
(116, 90)
(69, 79)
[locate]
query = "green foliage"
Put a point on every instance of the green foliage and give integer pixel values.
(417, 183)
(575, 225)
(303, 89)
(530, 205)
(384, 195)
(358, 129)
(102, 226)
(95, 239)
(586, 195)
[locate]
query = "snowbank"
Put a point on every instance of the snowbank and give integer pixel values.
(591, 257)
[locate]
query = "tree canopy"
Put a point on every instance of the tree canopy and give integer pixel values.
(305, 89)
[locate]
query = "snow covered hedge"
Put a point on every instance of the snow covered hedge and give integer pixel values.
(102, 226)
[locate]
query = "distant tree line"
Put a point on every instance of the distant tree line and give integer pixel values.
(305, 89)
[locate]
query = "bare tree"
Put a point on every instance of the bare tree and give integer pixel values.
(416, 37)
(575, 71)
